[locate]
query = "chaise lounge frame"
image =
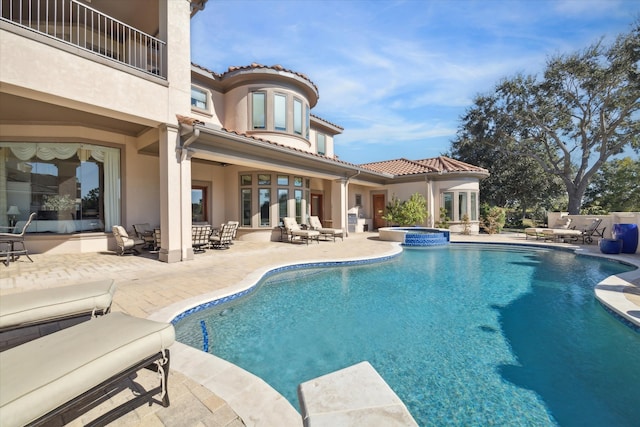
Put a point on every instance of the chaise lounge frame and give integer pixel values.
(293, 230)
(316, 224)
(78, 406)
(55, 379)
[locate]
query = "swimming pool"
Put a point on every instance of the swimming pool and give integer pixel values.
(465, 335)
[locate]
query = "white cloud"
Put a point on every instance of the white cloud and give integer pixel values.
(402, 70)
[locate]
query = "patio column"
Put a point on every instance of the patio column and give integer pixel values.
(185, 204)
(173, 247)
(344, 205)
(431, 204)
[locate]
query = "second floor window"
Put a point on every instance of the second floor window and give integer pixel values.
(297, 117)
(198, 98)
(280, 112)
(322, 143)
(258, 105)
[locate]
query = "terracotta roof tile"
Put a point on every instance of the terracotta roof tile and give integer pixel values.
(213, 73)
(188, 120)
(327, 121)
(335, 159)
(276, 67)
(398, 167)
(440, 164)
(447, 164)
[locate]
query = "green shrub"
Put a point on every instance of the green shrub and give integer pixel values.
(409, 212)
(444, 219)
(466, 224)
(493, 219)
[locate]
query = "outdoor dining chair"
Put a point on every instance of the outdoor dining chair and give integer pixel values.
(10, 240)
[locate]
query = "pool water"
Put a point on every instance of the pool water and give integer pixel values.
(464, 334)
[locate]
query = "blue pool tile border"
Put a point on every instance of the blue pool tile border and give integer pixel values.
(622, 319)
(272, 272)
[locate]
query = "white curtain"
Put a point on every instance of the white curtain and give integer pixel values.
(110, 157)
(3, 188)
(44, 151)
(111, 188)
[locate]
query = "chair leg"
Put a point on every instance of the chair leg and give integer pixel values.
(25, 252)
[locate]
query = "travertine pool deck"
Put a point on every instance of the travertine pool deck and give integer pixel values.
(204, 390)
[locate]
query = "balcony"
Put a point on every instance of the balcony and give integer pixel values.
(76, 24)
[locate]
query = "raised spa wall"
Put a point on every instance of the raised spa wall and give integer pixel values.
(415, 236)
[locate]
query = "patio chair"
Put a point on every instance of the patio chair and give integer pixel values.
(145, 232)
(10, 240)
(125, 243)
(56, 378)
(223, 239)
(200, 235)
(293, 230)
(592, 231)
(235, 225)
(157, 239)
(315, 224)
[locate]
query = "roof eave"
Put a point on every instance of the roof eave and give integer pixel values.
(326, 165)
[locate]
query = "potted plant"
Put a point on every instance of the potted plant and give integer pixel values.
(57, 206)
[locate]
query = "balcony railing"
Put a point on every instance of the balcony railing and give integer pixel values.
(74, 23)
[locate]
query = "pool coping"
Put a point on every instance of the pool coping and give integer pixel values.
(257, 403)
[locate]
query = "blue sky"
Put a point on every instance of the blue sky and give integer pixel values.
(398, 75)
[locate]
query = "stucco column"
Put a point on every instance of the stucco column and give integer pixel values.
(170, 195)
(185, 204)
(431, 204)
(344, 205)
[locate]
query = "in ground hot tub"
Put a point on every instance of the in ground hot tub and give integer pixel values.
(415, 236)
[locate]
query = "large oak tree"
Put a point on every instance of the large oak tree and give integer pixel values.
(584, 109)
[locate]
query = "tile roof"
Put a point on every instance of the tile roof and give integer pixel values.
(447, 164)
(213, 73)
(441, 164)
(327, 121)
(276, 67)
(320, 156)
(188, 120)
(255, 65)
(398, 167)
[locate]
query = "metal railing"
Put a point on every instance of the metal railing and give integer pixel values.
(74, 23)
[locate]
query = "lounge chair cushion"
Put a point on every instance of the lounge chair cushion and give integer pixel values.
(293, 228)
(562, 223)
(53, 303)
(41, 375)
(556, 233)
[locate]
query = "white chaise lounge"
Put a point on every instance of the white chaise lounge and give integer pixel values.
(293, 230)
(53, 379)
(562, 223)
(316, 224)
(29, 315)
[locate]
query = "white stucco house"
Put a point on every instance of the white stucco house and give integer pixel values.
(105, 121)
